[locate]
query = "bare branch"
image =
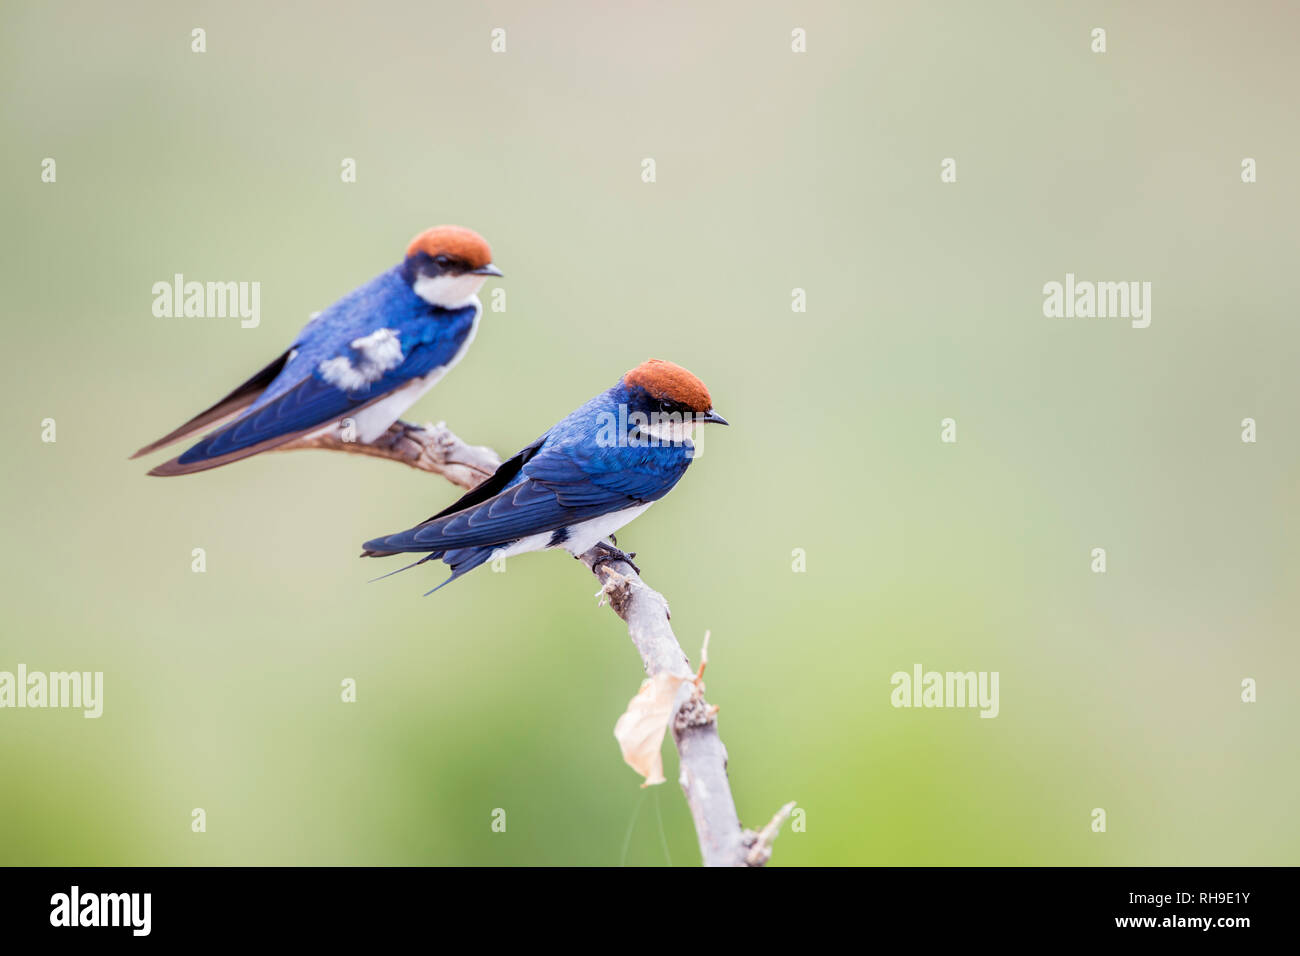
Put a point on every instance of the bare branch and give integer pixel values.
(703, 758)
(424, 447)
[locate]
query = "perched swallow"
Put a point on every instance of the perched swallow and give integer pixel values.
(366, 358)
(576, 485)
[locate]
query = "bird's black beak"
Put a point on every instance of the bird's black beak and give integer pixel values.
(714, 418)
(487, 270)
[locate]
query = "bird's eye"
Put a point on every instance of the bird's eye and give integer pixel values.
(442, 260)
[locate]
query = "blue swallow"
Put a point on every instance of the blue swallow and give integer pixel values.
(365, 359)
(575, 486)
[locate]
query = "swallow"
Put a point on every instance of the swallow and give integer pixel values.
(587, 477)
(366, 359)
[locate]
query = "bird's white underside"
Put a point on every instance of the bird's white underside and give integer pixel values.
(581, 538)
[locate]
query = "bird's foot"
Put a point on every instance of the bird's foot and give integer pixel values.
(417, 433)
(397, 433)
(610, 554)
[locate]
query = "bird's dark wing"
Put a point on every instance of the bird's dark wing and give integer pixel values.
(526, 508)
(498, 481)
(308, 406)
(300, 407)
(549, 491)
(610, 476)
(231, 405)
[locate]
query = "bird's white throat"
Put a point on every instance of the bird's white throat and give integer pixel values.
(448, 291)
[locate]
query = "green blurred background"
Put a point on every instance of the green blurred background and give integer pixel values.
(775, 170)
